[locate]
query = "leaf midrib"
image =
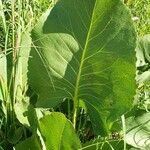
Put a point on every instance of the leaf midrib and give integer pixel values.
(82, 59)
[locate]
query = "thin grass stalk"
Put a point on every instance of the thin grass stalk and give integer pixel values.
(13, 59)
(3, 16)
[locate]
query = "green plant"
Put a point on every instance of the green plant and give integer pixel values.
(138, 129)
(143, 73)
(78, 58)
(90, 58)
(90, 52)
(16, 20)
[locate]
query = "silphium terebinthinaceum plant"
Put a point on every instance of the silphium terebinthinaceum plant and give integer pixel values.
(81, 51)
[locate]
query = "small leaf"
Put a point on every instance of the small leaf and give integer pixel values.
(21, 108)
(14, 135)
(58, 133)
(31, 143)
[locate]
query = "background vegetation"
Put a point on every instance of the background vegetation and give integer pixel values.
(141, 9)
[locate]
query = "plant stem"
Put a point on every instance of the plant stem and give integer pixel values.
(75, 100)
(75, 115)
(124, 130)
(13, 57)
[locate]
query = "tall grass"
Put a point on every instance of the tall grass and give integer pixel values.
(16, 18)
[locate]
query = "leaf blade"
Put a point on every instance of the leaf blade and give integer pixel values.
(78, 54)
(58, 132)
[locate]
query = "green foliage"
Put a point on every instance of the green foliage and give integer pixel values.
(138, 130)
(31, 143)
(141, 10)
(143, 72)
(78, 58)
(107, 144)
(83, 55)
(57, 134)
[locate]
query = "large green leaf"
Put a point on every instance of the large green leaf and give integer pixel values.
(22, 102)
(58, 132)
(84, 49)
(138, 131)
(24, 52)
